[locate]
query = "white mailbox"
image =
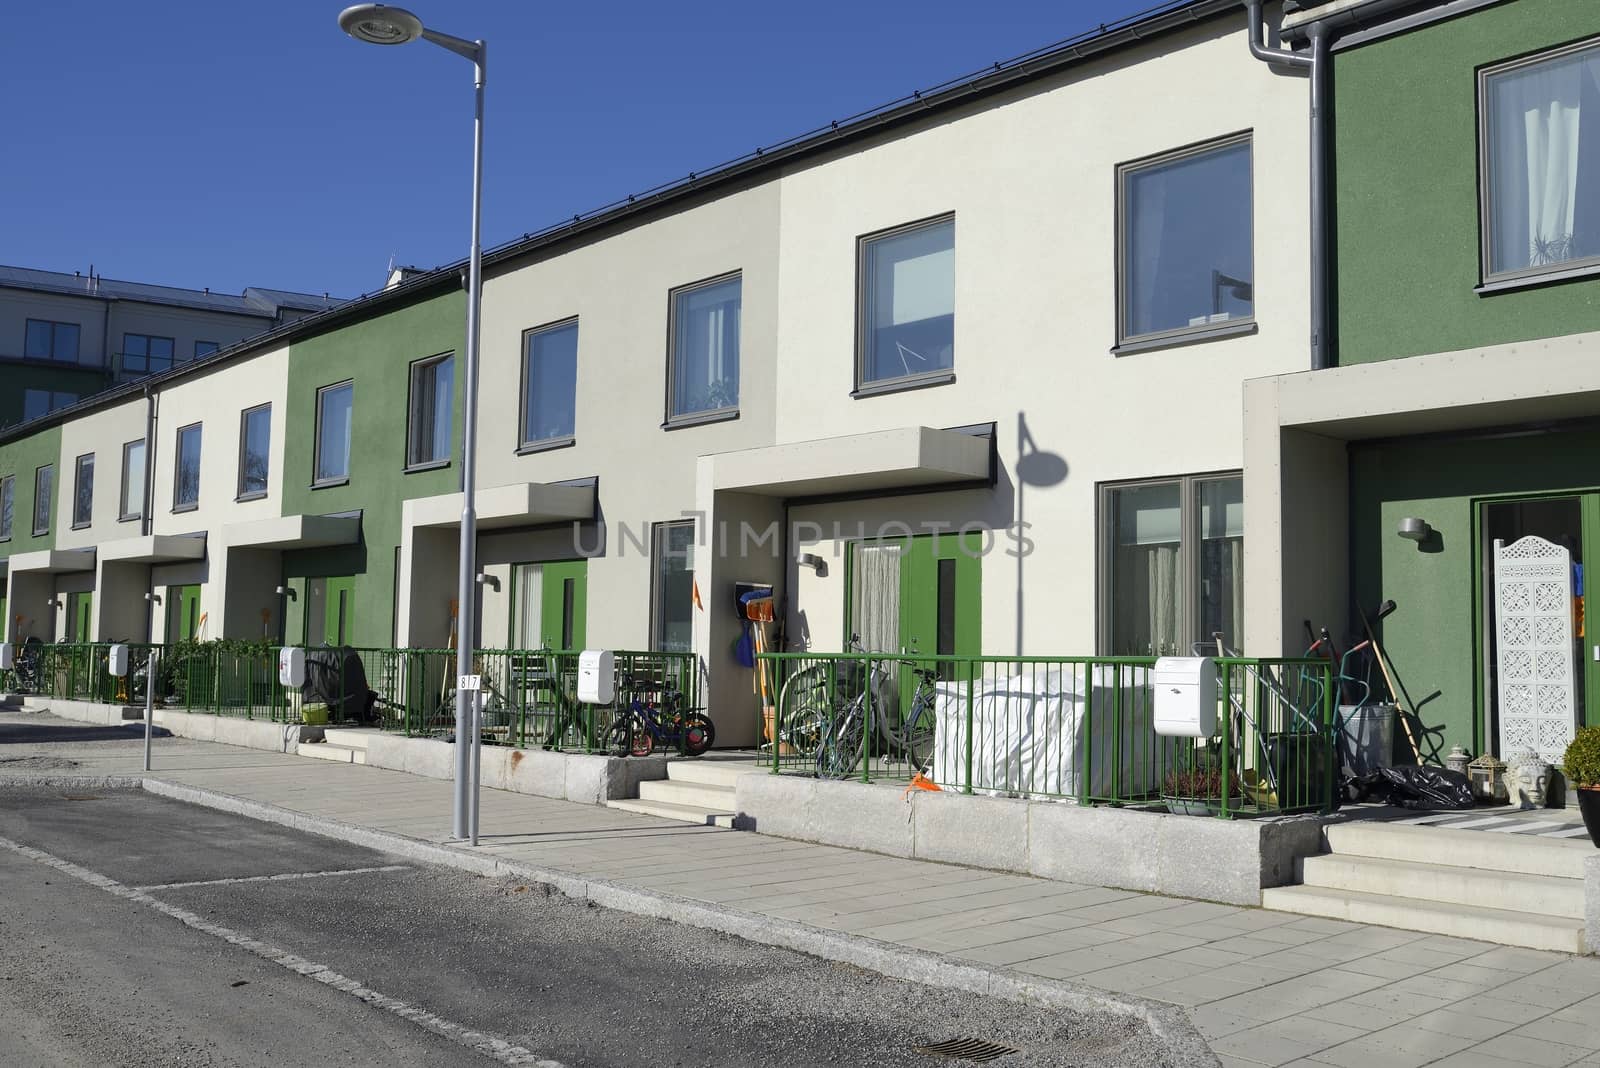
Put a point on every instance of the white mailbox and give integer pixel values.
(292, 666)
(597, 676)
(8, 656)
(117, 660)
(1186, 696)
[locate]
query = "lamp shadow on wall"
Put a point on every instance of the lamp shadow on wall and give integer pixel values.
(1039, 468)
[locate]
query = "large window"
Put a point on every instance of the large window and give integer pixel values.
(1172, 565)
(1185, 265)
(432, 402)
(44, 484)
(550, 385)
(334, 411)
(186, 469)
(144, 354)
(8, 499)
(703, 352)
(1541, 163)
(83, 491)
(255, 444)
(907, 300)
(132, 503)
(38, 402)
(51, 341)
(672, 587)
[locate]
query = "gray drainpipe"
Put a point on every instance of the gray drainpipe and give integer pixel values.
(148, 507)
(1316, 66)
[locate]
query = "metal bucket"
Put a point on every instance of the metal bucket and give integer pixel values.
(1366, 737)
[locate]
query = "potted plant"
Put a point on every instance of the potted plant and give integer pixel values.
(1582, 765)
(1193, 791)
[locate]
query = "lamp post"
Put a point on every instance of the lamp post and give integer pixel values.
(384, 25)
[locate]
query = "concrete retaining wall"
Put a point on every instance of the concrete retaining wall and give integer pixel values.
(249, 733)
(590, 780)
(1186, 856)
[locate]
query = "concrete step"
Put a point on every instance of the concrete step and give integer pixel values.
(1435, 917)
(1525, 853)
(711, 772)
(697, 795)
(1544, 895)
(669, 811)
(342, 754)
(349, 737)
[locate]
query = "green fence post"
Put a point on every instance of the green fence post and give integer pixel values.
(1227, 724)
(967, 789)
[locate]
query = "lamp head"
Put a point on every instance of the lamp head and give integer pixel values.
(380, 24)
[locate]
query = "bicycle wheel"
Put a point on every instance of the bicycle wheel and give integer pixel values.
(698, 734)
(629, 737)
(805, 733)
(917, 733)
(840, 751)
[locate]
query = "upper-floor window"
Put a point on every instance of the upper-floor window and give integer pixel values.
(146, 354)
(132, 504)
(334, 410)
(44, 484)
(255, 443)
(550, 385)
(1540, 165)
(83, 491)
(907, 299)
(432, 404)
(1184, 260)
(51, 341)
(37, 402)
(8, 490)
(703, 350)
(186, 473)
(205, 348)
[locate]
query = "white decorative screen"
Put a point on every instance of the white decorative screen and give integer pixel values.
(1533, 636)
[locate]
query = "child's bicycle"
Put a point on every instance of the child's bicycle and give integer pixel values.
(643, 724)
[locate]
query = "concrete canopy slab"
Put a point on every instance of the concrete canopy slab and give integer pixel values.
(521, 504)
(294, 532)
(849, 463)
(52, 561)
(154, 549)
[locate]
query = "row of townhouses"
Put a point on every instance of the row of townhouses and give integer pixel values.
(1216, 320)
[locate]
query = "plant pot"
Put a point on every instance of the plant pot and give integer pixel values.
(1589, 805)
(1191, 806)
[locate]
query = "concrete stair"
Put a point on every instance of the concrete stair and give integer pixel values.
(694, 791)
(1511, 889)
(339, 744)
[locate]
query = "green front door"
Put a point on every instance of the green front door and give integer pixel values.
(183, 613)
(917, 596)
(79, 614)
(330, 612)
(565, 600)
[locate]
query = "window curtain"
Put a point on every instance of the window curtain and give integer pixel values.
(1538, 116)
(530, 606)
(1146, 202)
(875, 597)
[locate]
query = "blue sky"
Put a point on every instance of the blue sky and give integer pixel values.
(222, 144)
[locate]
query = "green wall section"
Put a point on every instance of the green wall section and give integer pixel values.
(376, 355)
(1433, 636)
(1406, 196)
(22, 458)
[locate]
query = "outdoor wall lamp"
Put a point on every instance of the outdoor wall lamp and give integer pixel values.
(153, 598)
(811, 560)
(491, 581)
(287, 591)
(1414, 529)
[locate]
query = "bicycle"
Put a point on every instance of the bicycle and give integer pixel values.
(644, 724)
(825, 709)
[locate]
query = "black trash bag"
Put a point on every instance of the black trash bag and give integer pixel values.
(1413, 787)
(338, 678)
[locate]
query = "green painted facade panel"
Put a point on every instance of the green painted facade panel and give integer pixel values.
(23, 458)
(375, 355)
(21, 376)
(1406, 225)
(1435, 635)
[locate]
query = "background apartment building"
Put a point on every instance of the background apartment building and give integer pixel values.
(64, 337)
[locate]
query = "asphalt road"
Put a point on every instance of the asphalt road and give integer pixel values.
(284, 948)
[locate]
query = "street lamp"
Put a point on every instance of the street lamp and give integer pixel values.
(385, 25)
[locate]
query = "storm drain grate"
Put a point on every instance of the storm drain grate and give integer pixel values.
(980, 1050)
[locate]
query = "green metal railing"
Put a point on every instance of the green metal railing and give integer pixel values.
(530, 696)
(1079, 728)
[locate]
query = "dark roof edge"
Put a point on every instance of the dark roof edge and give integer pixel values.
(1107, 37)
